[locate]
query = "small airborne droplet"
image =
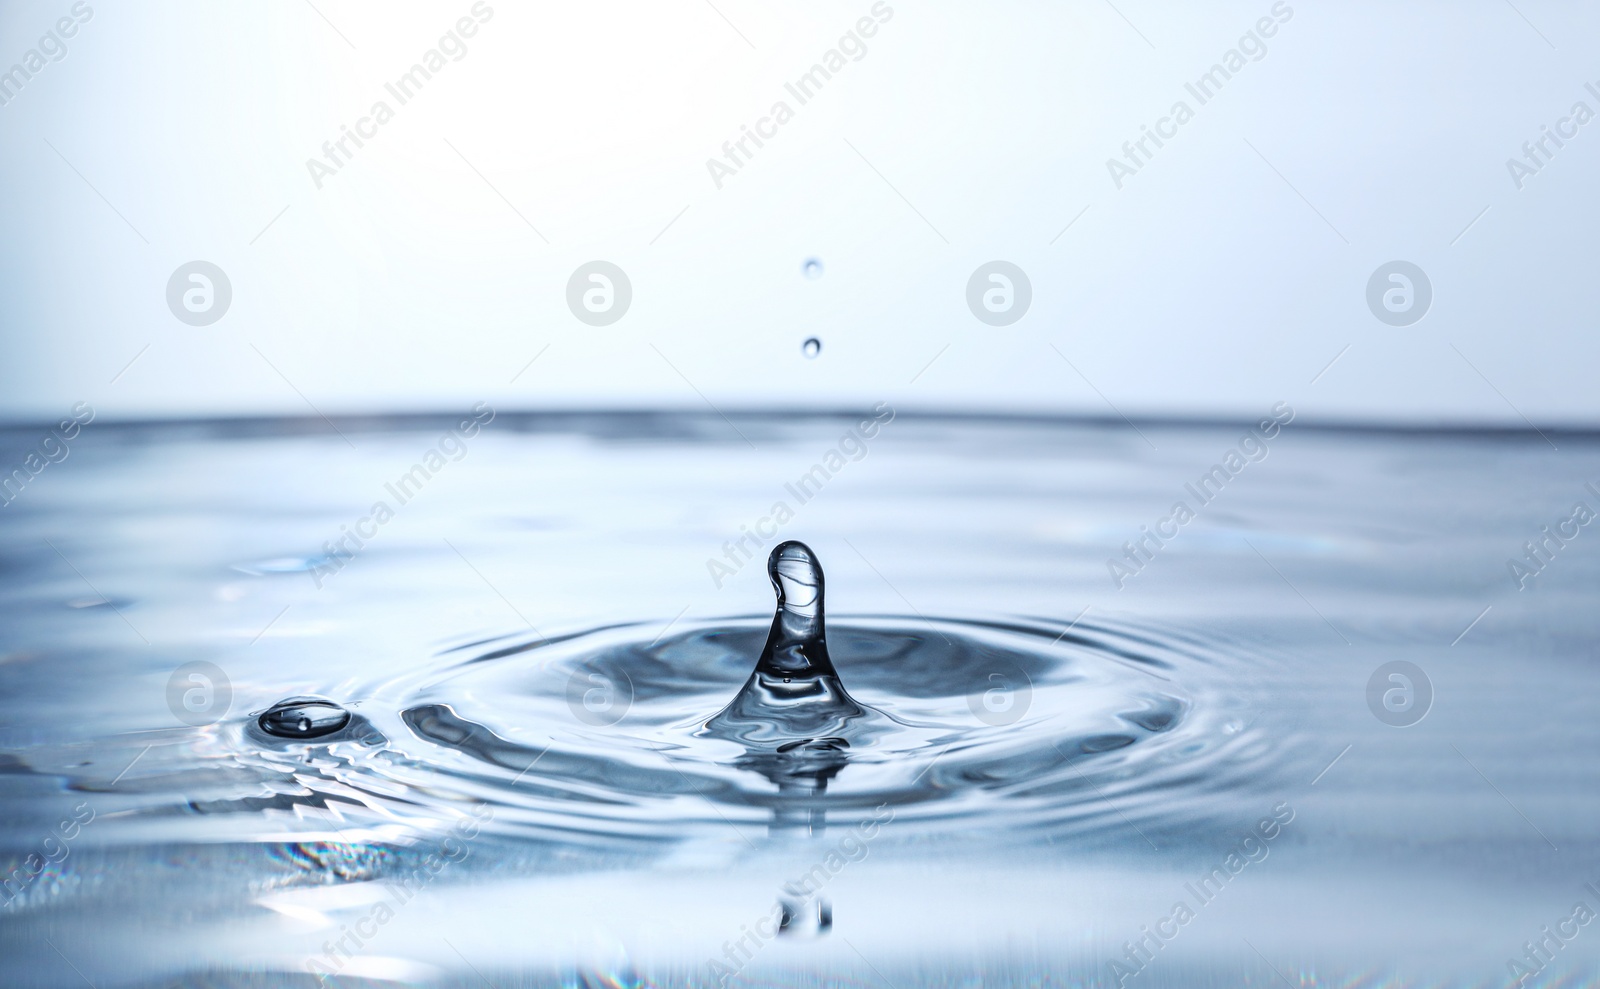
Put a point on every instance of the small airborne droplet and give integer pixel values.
(303, 717)
(812, 347)
(812, 268)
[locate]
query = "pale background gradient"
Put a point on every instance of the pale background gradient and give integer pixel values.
(1220, 280)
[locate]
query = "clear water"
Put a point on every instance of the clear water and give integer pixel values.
(534, 786)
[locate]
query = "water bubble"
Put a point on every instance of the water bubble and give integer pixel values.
(812, 269)
(812, 347)
(303, 717)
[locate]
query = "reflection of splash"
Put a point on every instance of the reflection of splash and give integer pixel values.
(796, 721)
(801, 908)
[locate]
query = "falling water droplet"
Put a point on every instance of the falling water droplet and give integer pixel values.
(303, 717)
(812, 347)
(812, 268)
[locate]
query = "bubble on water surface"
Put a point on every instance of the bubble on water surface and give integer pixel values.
(811, 268)
(303, 717)
(812, 347)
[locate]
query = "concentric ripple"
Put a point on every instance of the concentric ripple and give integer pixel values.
(607, 735)
(608, 738)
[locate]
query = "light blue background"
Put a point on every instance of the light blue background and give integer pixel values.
(966, 133)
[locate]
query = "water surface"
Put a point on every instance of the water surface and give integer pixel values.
(533, 641)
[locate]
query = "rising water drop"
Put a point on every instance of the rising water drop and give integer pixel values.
(812, 347)
(303, 717)
(793, 716)
(812, 268)
(793, 706)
